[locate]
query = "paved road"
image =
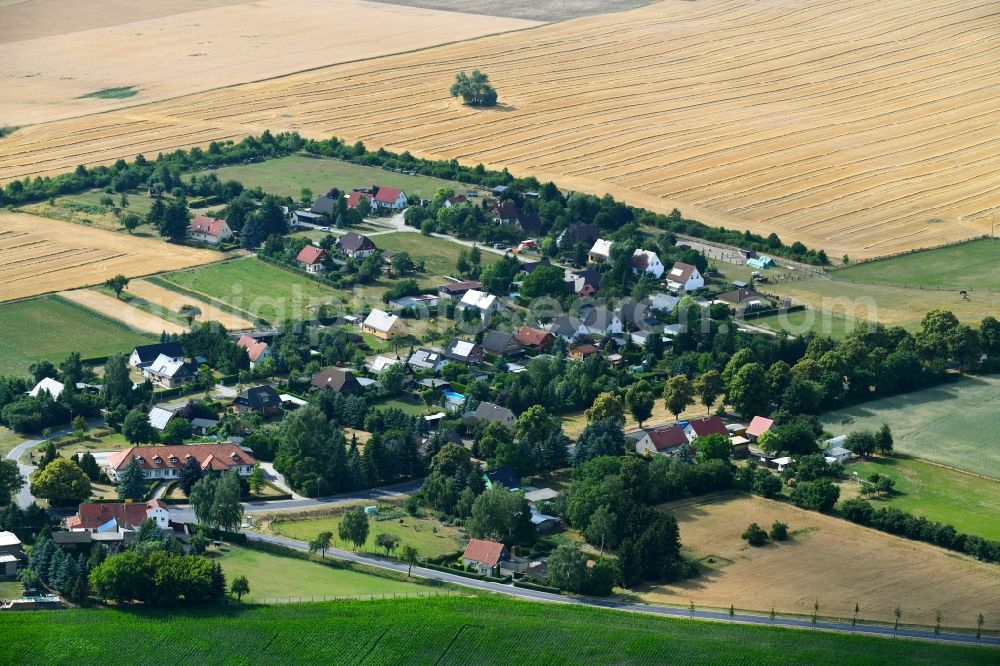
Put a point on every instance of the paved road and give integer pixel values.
(24, 497)
(716, 616)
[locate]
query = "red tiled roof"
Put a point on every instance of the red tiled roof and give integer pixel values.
(130, 514)
(355, 197)
(204, 224)
(758, 426)
(669, 437)
(387, 195)
(585, 350)
(708, 425)
(685, 272)
(209, 456)
(311, 254)
(254, 347)
(532, 337)
(640, 261)
(484, 552)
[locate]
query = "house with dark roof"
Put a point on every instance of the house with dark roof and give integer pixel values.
(325, 205)
(355, 245)
(491, 413)
(528, 267)
(426, 359)
(534, 338)
(504, 476)
(458, 289)
(258, 400)
(463, 352)
(485, 556)
(144, 355)
(165, 462)
(500, 343)
(577, 234)
(311, 258)
(665, 440)
(569, 329)
(388, 198)
(210, 230)
(337, 380)
(583, 283)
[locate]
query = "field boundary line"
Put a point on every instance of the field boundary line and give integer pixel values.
(93, 313)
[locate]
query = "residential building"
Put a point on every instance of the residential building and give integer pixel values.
(507, 212)
(118, 516)
(311, 259)
(601, 321)
(425, 359)
(165, 462)
(355, 246)
(389, 198)
(487, 411)
(483, 301)
(457, 289)
(635, 316)
(355, 197)
(324, 206)
(601, 250)
(534, 338)
(502, 476)
(144, 355)
(169, 372)
(684, 277)
(337, 380)
(418, 301)
(663, 440)
(583, 283)
(528, 267)
(457, 200)
(257, 350)
(500, 343)
(569, 329)
(485, 556)
(10, 554)
(463, 352)
(758, 426)
(704, 426)
(262, 400)
(380, 363)
(210, 230)
(663, 302)
(382, 325)
(577, 234)
(47, 384)
(583, 352)
(159, 417)
(645, 261)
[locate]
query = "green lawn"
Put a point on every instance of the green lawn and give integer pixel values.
(8, 440)
(972, 265)
(286, 176)
(800, 322)
(275, 577)
(448, 630)
(10, 589)
(439, 255)
(970, 503)
(50, 328)
(954, 424)
(430, 537)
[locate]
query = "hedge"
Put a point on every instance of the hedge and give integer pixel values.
(457, 572)
(537, 588)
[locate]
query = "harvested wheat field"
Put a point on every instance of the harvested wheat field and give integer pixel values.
(39, 255)
(198, 47)
(860, 127)
(111, 307)
(828, 560)
(165, 299)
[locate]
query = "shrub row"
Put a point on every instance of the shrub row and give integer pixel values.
(894, 521)
(536, 587)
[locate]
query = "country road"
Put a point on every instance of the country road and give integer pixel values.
(667, 611)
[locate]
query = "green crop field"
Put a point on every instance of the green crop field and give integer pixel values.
(49, 328)
(430, 537)
(972, 265)
(448, 630)
(970, 503)
(286, 176)
(800, 322)
(954, 424)
(275, 577)
(439, 255)
(255, 287)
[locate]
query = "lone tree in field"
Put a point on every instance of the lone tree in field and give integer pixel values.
(118, 284)
(240, 587)
(189, 312)
(474, 88)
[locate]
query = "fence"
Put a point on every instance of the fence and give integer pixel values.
(359, 597)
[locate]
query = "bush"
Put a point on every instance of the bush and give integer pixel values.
(536, 587)
(779, 531)
(754, 535)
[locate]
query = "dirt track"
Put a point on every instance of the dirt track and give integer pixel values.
(864, 128)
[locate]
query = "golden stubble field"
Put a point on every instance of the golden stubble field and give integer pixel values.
(828, 560)
(193, 46)
(40, 255)
(864, 128)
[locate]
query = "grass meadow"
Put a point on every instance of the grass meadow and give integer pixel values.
(439, 255)
(286, 176)
(972, 266)
(800, 322)
(970, 503)
(49, 328)
(953, 424)
(447, 630)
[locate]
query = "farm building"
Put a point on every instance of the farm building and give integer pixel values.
(684, 277)
(165, 462)
(382, 325)
(210, 230)
(310, 258)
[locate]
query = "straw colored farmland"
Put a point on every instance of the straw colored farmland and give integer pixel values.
(165, 299)
(111, 307)
(196, 47)
(861, 127)
(40, 255)
(828, 560)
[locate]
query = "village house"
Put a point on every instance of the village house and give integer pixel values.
(311, 259)
(704, 426)
(355, 246)
(600, 251)
(665, 440)
(758, 426)
(389, 198)
(425, 359)
(383, 325)
(663, 302)
(534, 338)
(457, 289)
(463, 352)
(324, 206)
(144, 355)
(502, 476)
(508, 212)
(337, 380)
(51, 386)
(257, 350)
(118, 516)
(645, 261)
(569, 329)
(684, 277)
(165, 462)
(583, 283)
(485, 556)
(583, 352)
(500, 343)
(491, 413)
(262, 400)
(10, 554)
(457, 200)
(380, 363)
(601, 321)
(577, 234)
(159, 417)
(483, 301)
(210, 230)
(170, 373)
(355, 197)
